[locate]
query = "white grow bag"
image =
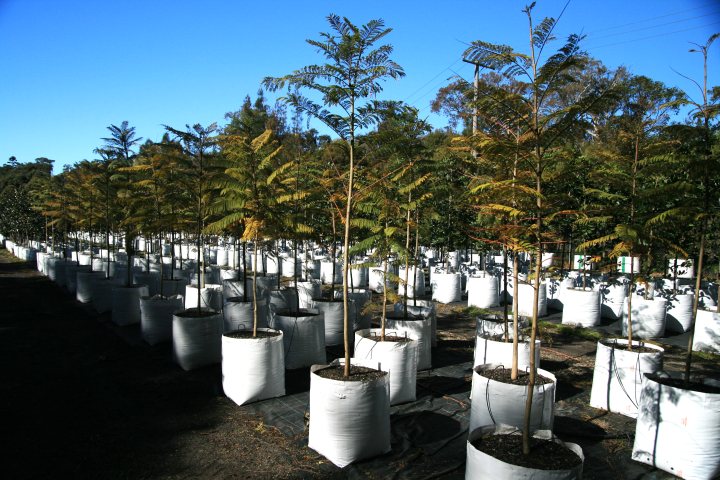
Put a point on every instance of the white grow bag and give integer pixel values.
(326, 272)
(481, 466)
(483, 292)
(84, 287)
(612, 299)
(526, 296)
(197, 340)
(500, 352)
(210, 296)
(424, 308)
(415, 280)
(618, 376)
(376, 281)
(40, 261)
(624, 264)
(349, 421)
(420, 331)
(221, 257)
(447, 287)
(685, 268)
(307, 291)
(333, 313)
(648, 317)
(679, 313)
(126, 304)
(71, 273)
(290, 266)
(238, 315)
(151, 279)
(303, 337)
(358, 277)
(494, 402)
(397, 358)
(234, 288)
(156, 317)
(253, 368)
(102, 294)
(359, 300)
(563, 287)
(707, 331)
(581, 307)
(678, 430)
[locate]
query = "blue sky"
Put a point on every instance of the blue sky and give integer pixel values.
(71, 68)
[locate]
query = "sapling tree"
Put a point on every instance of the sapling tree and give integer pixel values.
(698, 152)
(354, 71)
(247, 193)
(622, 182)
(544, 116)
(199, 146)
(120, 144)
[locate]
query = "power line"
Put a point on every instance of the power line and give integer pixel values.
(654, 18)
(634, 40)
(647, 28)
(406, 100)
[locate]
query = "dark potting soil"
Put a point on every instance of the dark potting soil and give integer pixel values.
(503, 375)
(544, 454)
(694, 386)
(500, 337)
(389, 338)
(357, 373)
(400, 316)
(249, 334)
(635, 348)
(194, 313)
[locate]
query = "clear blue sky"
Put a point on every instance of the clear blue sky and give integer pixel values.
(70, 68)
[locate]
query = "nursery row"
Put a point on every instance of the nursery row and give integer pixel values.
(295, 323)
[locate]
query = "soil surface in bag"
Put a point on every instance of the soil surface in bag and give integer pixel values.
(544, 454)
(249, 334)
(503, 375)
(635, 348)
(388, 338)
(357, 373)
(399, 316)
(194, 313)
(692, 385)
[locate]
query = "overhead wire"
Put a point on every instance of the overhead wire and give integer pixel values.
(664, 34)
(407, 99)
(660, 25)
(710, 4)
(628, 31)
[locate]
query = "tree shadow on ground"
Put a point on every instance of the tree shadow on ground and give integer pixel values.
(427, 430)
(440, 386)
(570, 427)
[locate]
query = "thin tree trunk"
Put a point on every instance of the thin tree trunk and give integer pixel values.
(516, 318)
(407, 260)
(383, 314)
(505, 293)
(244, 276)
(698, 284)
(416, 255)
(346, 244)
(254, 286)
